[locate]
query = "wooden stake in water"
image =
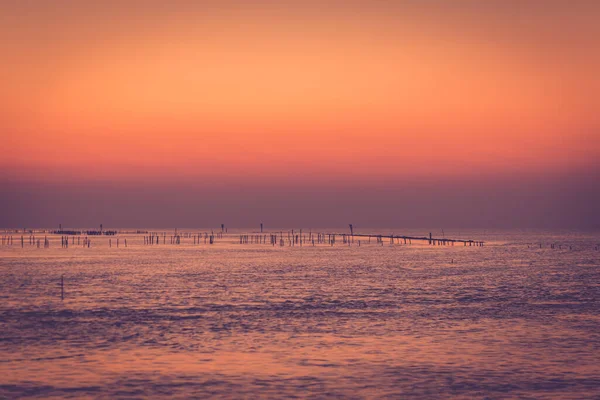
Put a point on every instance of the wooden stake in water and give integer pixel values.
(62, 287)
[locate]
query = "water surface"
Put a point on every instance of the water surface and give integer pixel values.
(509, 319)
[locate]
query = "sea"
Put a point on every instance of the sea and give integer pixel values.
(518, 317)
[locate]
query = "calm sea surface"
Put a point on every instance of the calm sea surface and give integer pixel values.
(506, 320)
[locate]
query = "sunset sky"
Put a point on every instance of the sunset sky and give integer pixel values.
(482, 105)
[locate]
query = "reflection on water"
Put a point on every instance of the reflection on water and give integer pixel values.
(231, 320)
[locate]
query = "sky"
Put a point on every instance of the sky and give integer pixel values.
(300, 113)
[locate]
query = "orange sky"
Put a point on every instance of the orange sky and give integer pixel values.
(297, 90)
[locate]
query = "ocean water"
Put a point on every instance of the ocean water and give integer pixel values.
(231, 320)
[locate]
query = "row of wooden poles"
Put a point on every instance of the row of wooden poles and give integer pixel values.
(70, 241)
(154, 239)
(300, 239)
(32, 241)
(292, 239)
(64, 241)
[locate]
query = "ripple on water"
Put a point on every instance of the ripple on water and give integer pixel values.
(504, 320)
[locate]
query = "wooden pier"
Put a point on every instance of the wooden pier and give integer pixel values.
(293, 238)
(408, 239)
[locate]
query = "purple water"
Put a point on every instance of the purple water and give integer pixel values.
(231, 320)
